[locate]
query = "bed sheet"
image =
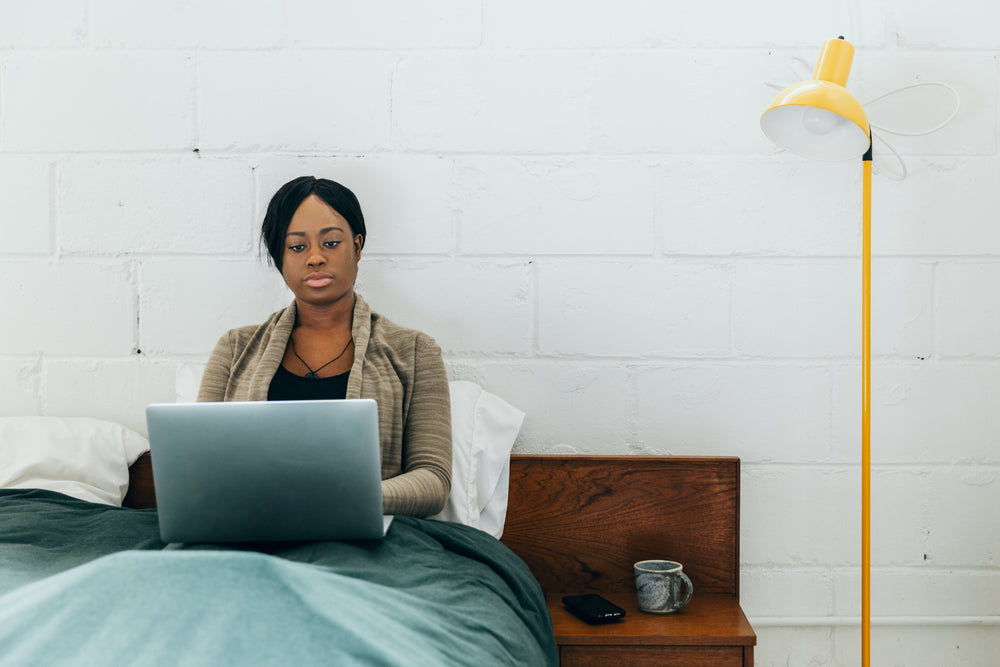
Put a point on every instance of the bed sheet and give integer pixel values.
(82, 583)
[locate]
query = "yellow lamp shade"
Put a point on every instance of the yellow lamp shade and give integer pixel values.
(819, 118)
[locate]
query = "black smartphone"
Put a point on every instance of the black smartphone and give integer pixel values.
(593, 608)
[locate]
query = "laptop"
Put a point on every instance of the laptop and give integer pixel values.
(261, 471)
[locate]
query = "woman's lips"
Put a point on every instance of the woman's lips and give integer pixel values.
(318, 280)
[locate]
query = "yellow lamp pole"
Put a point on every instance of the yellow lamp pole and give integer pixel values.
(820, 119)
(866, 416)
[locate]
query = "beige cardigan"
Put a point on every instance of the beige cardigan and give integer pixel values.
(400, 368)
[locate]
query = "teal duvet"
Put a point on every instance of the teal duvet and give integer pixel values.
(87, 584)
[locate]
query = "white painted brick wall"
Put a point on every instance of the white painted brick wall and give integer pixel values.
(920, 26)
(922, 412)
(26, 202)
(329, 100)
(117, 390)
(181, 24)
(477, 307)
(931, 592)
(46, 24)
(945, 206)
(599, 308)
(19, 382)
(174, 205)
(555, 207)
(577, 202)
(98, 101)
(969, 325)
(827, 533)
(795, 219)
(187, 304)
(798, 309)
(568, 407)
(973, 132)
(492, 103)
(788, 591)
(387, 24)
(774, 412)
(649, 23)
(656, 102)
(67, 307)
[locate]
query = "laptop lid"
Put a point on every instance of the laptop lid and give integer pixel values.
(267, 471)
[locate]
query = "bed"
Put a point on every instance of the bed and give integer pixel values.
(86, 584)
(89, 583)
(86, 580)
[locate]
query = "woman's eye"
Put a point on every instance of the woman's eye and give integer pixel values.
(299, 247)
(331, 244)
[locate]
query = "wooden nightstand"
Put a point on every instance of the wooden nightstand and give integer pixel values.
(580, 522)
(711, 631)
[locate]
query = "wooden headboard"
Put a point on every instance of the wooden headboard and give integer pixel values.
(140, 494)
(579, 522)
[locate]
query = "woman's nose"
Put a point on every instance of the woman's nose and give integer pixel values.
(316, 258)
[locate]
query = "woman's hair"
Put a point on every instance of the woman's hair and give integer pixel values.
(286, 201)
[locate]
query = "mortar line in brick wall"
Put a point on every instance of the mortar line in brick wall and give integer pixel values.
(508, 259)
(512, 51)
(120, 258)
(665, 363)
(652, 256)
(919, 469)
(978, 464)
(880, 472)
(53, 210)
(659, 242)
(154, 357)
(618, 359)
(380, 151)
(64, 258)
(734, 318)
(132, 154)
(719, 359)
(393, 71)
(938, 570)
(884, 621)
(195, 61)
(936, 322)
(135, 267)
(88, 20)
(283, 38)
(256, 210)
(536, 309)
(774, 570)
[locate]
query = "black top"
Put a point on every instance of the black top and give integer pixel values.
(287, 386)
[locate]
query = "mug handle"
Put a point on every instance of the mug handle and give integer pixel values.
(690, 590)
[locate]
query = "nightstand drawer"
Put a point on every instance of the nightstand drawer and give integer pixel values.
(643, 656)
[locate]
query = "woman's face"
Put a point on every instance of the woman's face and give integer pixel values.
(320, 260)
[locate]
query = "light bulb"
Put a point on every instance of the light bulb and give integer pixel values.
(819, 121)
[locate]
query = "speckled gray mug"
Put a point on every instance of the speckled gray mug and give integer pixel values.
(658, 584)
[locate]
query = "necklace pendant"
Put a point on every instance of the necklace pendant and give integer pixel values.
(311, 376)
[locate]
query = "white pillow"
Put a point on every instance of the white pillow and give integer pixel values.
(81, 457)
(483, 429)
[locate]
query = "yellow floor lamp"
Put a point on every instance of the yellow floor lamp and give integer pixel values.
(819, 119)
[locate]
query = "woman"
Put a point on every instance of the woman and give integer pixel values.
(329, 344)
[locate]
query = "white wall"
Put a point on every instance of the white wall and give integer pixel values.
(576, 200)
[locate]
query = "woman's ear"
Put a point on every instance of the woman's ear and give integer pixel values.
(359, 243)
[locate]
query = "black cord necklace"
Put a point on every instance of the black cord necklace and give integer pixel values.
(312, 374)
